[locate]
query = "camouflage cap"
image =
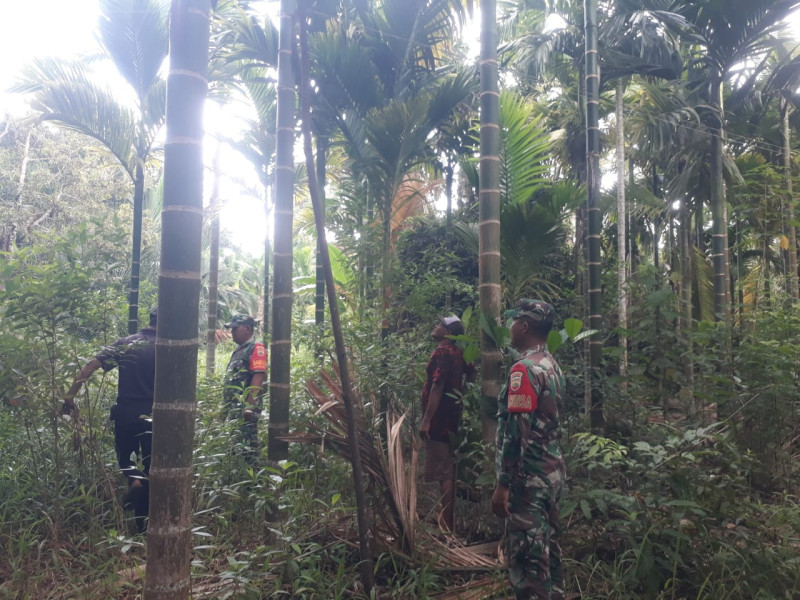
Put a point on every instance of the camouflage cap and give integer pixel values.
(536, 310)
(240, 319)
(453, 324)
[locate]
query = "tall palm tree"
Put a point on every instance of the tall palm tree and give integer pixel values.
(384, 90)
(244, 54)
(318, 201)
(595, 217)
(280, 345)
(532, 211)
(637, 40)
(169, 540)
(489, 209)
(782, 86)
(727, 34)
(133, 35)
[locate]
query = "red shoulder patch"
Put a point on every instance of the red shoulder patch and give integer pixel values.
(522, 397)
(258, 359)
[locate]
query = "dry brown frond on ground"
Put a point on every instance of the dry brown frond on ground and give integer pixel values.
(394, 523)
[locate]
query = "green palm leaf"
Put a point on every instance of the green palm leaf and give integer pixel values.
(135, 36)
(64, 91)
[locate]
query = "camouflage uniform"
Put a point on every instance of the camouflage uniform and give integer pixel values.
(529, 461)
(247, 359)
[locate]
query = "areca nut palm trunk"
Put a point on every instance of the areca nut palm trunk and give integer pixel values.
(791, 228)
(489, 292)
(319, 287)
(213, 270)
(685, 250)
(169, 539)
(281, 341)
(324, 262)
(136, 247)
(622, 260)
(594, 215)
(719, 225)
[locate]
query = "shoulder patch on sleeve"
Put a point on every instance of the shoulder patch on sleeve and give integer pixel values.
(258, 359)
(522, 397)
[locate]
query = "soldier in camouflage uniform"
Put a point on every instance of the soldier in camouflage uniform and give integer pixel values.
(244, 377)
(529, 464)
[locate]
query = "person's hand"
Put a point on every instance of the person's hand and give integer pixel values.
(424, 430)
(500, 501)
(69, 408)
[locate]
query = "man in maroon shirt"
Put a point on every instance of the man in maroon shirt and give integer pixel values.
(441, 411)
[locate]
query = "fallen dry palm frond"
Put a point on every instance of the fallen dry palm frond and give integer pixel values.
(478, 589)
(402, 483)
(395, 526)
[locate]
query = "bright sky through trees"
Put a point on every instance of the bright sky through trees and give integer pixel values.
(66, 29)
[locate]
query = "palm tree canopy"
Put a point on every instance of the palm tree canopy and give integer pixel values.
(134, 35)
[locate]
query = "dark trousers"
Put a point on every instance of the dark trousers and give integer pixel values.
(134, 437)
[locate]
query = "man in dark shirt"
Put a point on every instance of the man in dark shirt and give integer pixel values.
(135, 356)
(441, 408)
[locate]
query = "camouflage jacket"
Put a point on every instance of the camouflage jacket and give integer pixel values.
(528, 420)
(247, 359)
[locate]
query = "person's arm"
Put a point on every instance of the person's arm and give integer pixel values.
(258, 367)
(254, 391)
(434, 397)
(521, 400)
(84, 374)
(505, 445)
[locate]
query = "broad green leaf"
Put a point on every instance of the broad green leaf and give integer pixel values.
(573, 326)
(554, 341)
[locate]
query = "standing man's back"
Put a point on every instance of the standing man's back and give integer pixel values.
(446, 375)
(529, 463)
(135, 357)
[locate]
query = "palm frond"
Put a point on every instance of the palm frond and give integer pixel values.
(135, 35)
(65, 92)
(523, 150)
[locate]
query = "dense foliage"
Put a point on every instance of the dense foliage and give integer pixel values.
(689, 491)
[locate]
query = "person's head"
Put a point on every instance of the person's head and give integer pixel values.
(532, 321)
(242, 327)
(154, 316)
(445, 326)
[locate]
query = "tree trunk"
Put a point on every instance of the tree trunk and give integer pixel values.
(213, 271)
(317, 200)
(136, 248)
(23, 169)
(684, 235)
(489, 208)
(448, 224)
(791, 229)
(267, 263)
(657, 351)
(622, 261)
(169, 540)
(596, 418)
(719, 249)
(281, 343)
(319, 299)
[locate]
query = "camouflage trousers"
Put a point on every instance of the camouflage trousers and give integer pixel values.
(531, 540)
(245, 433)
